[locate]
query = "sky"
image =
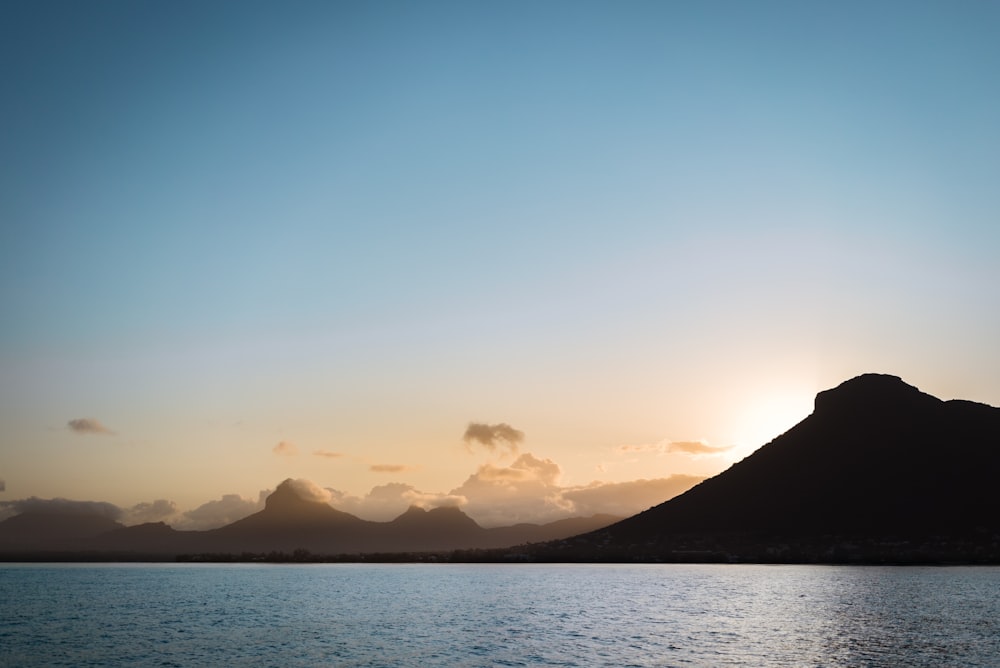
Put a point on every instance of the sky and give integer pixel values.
(532, 258)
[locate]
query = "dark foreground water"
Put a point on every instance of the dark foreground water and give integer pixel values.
(497, 615)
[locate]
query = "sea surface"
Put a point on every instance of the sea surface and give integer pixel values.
(497, 615)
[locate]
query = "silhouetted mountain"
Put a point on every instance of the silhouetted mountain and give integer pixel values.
(878, 471)
(151, 538)
(288, 522)
(435, 529)
(52, 529)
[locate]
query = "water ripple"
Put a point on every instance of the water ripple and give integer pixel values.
(497, 615)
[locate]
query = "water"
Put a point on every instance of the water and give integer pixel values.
(497, 615)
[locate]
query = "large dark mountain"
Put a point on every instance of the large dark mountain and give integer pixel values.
(288, 523)
(878, 472)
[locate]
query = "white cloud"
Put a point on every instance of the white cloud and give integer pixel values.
(310, 491)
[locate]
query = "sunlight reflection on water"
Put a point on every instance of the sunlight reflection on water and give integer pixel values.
(497, 615)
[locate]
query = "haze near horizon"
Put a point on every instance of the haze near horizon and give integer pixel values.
(530, 260)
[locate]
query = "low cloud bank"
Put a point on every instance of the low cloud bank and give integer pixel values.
(160, 510)
(62, 507)
(628, 498)
(387, 502)
(526, 490)
(529, 491)
(219, 512)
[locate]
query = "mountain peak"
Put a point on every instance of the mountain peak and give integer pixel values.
(290, 495)
(871, 391)
(878, 462)
(283, 496)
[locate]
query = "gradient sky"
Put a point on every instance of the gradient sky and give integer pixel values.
(245, 241)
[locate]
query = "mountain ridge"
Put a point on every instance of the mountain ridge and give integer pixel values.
(289, 522)
(877, 462)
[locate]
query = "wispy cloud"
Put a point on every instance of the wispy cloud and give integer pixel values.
(328, 454)
(87, 426)
(388, 468)
(286, 449)
(683, 447)
(493, 436)
(697, 448)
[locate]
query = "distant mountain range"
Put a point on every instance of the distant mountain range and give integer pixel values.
(879, 472)
(288, 523)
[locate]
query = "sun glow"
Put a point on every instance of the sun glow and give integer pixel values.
(767, 416)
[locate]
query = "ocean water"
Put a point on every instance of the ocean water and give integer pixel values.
(497, 615)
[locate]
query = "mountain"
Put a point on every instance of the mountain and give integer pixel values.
(52, 529)
(879, 471)
(288, 523)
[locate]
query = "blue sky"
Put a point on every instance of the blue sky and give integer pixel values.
(357, 227)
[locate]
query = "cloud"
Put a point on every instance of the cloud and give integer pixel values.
(327, 453)
(696, 448)
(529, 491)
(160, 510)
(684, 447)
(627, 498)
(64, 507)
(388, 468)
(213, 514)
(525, 491)
(286, 449)
(87, 426)
(310, 491)
(493, 436)
(387, 502)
